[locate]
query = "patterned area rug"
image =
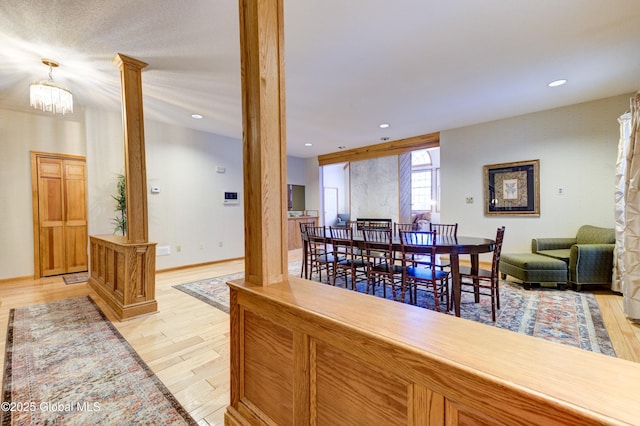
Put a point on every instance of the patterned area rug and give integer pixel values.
(215, 292)
(67, 364)
(561, 316)
(77, 278)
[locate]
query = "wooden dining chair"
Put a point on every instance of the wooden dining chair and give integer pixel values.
(427, 274)
(444, 229)
(321, 256)
(383, 268)
(397, 227)
(349, 261)
(306, 260)
(485, 283)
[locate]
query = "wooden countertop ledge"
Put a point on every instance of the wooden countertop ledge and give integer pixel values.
(467, 362)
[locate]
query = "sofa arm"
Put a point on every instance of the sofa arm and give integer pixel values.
(538, 244)
(591, 263)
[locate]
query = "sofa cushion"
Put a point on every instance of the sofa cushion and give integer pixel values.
(560, 254)
(532, 261)
(589, 234)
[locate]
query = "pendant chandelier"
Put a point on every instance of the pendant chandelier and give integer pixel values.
(47, 96)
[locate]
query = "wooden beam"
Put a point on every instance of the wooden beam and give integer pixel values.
(264, 144)
(134, 150)
(430, 140)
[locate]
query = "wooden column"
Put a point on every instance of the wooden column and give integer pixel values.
(134, 153)
(264, 145)
(123, 268)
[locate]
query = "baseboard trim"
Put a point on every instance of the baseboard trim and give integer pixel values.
(195, 265)
(25, 278)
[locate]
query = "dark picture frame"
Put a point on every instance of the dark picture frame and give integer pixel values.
(512, 188)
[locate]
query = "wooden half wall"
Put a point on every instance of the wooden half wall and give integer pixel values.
(313, 354)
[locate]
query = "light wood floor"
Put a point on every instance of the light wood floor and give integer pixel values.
(187, 342)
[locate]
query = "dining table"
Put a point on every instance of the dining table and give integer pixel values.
(453, 246)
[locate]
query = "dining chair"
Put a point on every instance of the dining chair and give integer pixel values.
(349, 261)
(321, 254)
(485, 283)
(426, 274)
(306, 260)
(378, 247)
(397, 227)
(444, 229)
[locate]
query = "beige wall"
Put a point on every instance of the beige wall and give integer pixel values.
(577, 148)
(188, 212)
(21, 133)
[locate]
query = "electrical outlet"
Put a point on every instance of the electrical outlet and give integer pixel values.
(219, 243)
(201, 246)
(469, 200)
(561, 190)
(178, 249)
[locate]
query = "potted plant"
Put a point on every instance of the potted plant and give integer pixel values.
(120, 221)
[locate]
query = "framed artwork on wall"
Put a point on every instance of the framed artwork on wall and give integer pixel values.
(512, 188)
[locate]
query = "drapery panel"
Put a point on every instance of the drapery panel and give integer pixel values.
(631, 241)
(619, 196)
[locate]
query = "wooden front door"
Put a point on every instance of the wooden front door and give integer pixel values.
(60, 214)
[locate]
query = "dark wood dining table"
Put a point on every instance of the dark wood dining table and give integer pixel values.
(452, 246)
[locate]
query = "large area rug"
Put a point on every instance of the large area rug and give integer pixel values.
(561, 316)
(65, 363)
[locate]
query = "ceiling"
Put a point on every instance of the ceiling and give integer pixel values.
(420, 65)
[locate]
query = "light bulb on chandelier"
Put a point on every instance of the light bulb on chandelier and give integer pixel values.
(47, 96)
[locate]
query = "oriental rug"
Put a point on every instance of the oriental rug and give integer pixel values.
(561, 316)
(65, 363)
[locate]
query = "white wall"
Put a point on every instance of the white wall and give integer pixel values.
(576, 146)
(21, 133)
(333, 176)
(296, 172)
(188, 212)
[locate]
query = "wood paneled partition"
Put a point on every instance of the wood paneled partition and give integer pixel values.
(123, 274)
(315, 354)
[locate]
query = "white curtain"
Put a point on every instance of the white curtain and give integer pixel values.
(621, 168)
(629, 212)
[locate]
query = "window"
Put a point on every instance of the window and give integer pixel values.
(424, 187)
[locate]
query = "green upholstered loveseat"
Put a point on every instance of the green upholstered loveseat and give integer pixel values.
(589, 255)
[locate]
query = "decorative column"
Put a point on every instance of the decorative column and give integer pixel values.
(134, 151)
(264, 145)
(123, 268)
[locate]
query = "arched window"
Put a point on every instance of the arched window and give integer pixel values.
(423, 187)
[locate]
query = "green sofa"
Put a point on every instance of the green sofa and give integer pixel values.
(589, 255)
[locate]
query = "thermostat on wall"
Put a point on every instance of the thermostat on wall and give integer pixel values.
(230, 198)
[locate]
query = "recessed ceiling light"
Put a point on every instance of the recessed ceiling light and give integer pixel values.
(384, 125)
(197, 116)
(308, 144)
(557, 83)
